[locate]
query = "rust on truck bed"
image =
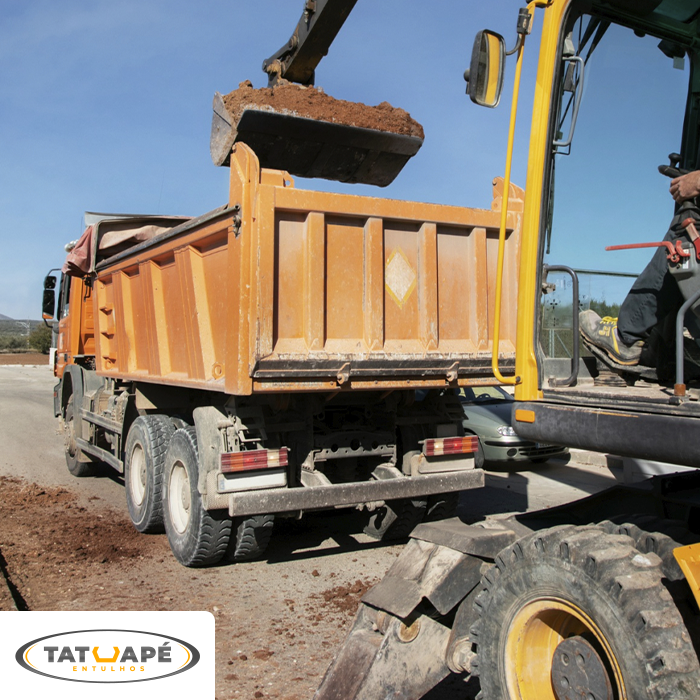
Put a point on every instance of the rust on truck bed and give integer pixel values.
(294, 290)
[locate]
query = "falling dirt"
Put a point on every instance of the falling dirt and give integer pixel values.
(313, 103)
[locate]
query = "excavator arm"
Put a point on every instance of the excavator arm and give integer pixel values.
(328, 140)
(320, 23)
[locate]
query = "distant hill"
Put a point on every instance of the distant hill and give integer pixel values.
(9, 326)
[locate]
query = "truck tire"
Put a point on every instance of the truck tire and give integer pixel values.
(144, 456)
(75, 459)
(440, 506)
(252, 535)
(396, 519)
(197, 537)
(571, 591)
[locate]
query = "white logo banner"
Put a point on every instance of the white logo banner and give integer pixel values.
(76, 655)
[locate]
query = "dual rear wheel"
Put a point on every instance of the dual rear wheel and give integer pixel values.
(161, 472)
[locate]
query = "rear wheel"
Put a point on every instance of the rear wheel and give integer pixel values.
(250, 537)
(578, 612)
(396, 519)
(144, 456)
(196, 536)
(78, 463)
(441, 506)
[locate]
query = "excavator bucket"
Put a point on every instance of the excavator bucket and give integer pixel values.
(310, 147)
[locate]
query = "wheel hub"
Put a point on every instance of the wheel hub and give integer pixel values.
(69, 439)
(179, 498)
(578, 672)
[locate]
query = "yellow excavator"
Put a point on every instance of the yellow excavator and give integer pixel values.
(598, 599)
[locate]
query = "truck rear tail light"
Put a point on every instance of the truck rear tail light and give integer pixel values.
(254, 459)
(436, 447)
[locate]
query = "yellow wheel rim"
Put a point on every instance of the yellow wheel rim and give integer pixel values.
(533, 636)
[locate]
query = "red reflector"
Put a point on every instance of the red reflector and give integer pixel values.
(450, 446)
(254, 459)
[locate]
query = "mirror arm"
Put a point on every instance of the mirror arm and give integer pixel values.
(523, 29)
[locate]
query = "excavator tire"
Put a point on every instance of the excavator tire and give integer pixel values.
(662, 536)
(579, 594)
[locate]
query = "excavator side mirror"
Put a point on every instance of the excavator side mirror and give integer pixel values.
(485, 75)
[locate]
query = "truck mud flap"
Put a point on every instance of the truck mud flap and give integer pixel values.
(319, 497)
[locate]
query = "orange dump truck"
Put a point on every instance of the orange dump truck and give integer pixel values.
(291, 351)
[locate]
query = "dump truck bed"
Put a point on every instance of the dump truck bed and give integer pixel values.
(294, 290)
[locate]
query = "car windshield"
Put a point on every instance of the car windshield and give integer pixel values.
(483, 394)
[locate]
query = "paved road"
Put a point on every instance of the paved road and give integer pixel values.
(307, 560)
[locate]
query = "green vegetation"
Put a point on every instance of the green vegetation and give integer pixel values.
(40, 339)
(15, 335)
(13, 342)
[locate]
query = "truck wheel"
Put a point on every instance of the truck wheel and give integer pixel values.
(577, 612)
(75, 459)
(144, 456)
(441, 506)
(197, 537)
(252, 537)
(396, 519)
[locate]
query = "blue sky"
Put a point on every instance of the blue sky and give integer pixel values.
(106, 106)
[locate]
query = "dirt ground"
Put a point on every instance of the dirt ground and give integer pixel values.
(23, 358)
(278, 623)
(67, 544)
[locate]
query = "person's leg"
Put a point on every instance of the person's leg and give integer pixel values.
(653, 295)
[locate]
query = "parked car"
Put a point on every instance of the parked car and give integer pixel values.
(487, 414)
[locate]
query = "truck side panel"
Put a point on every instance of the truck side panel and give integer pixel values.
(308, 291)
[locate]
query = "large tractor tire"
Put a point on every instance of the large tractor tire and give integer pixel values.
(197, 537)
(578, 612)
(661, 536)
(78, 464)
(144, 457)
